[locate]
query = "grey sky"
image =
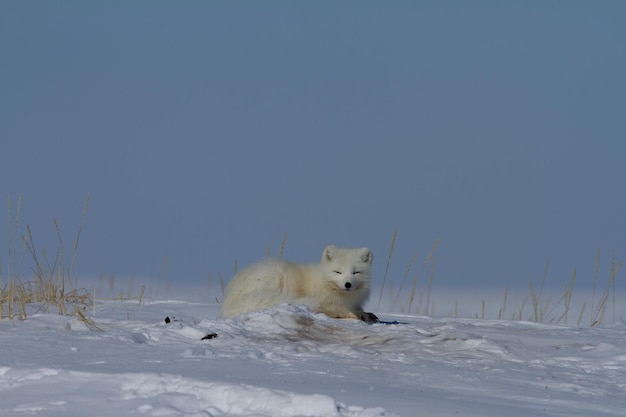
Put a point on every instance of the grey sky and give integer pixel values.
(206, 130)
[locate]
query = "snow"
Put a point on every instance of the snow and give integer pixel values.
(287, 361)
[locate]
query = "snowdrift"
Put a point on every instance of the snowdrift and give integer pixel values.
(287, 361)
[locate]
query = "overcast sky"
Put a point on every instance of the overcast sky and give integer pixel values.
(204, 131)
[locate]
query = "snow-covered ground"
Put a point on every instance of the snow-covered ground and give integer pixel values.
(289, 362)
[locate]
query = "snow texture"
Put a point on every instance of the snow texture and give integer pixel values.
(287, 361)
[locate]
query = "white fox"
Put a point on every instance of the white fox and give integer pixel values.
(338, 286)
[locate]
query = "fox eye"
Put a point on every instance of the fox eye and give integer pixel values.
(337, 272)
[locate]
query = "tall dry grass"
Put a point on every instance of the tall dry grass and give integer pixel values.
(393, 244)
(53, 284)
(535, 305)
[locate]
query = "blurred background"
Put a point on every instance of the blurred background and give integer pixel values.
(203, 132)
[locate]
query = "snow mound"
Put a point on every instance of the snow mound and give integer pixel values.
(161, 395)
(280, 332)
(296, 323)
(187, 396)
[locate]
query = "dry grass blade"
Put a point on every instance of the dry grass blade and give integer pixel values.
(416, 279)
(613, 277)
(431, 276)
(595, 283)
(75, 248)
(382, 288)
(87, 321)
(581, 314)
(282, 246)
(566, 298)
(538, 312)
(503, 308)
(404, 278)
(141, 292)
(597, 314)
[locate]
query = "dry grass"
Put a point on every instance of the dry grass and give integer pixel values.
(53, 284)
(393, 243)
(598, 311)
(544, 310)
(535, 305)
(408, 306)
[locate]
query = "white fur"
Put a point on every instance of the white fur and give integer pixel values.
(338, 286)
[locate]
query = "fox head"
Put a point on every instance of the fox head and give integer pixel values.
(348, 269)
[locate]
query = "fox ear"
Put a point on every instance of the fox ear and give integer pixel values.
(366, 255)
(329, 253)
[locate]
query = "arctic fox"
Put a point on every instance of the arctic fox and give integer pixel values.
(338, 286)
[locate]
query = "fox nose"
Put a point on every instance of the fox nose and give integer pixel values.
(348, 285)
